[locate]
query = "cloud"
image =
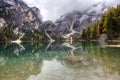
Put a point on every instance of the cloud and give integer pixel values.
(53, 9)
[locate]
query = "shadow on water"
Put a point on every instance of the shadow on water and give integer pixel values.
(59, 61)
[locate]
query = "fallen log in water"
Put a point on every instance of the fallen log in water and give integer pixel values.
(115, 46)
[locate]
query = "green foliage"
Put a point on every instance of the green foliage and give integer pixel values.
(91, 32)
(7, 34)
(83, 34)
(76, 37)
(32, 36)
(109, 24)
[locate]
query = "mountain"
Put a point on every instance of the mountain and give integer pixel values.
(75, 21)
(82, 19)
(28, 20)
(19, 14)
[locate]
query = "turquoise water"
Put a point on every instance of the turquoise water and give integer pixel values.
(59, 61)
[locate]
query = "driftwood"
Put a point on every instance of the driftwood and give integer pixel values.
(112, 46)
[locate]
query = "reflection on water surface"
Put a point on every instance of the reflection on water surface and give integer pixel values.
(59, 61)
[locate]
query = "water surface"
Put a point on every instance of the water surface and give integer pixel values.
(59, 61)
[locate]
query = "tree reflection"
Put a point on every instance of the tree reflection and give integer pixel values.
(28, 59)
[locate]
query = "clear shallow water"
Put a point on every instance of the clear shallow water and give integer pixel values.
(59, 61)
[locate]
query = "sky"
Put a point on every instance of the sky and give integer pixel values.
(53, 9)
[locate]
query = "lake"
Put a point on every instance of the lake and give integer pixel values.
(59, 61)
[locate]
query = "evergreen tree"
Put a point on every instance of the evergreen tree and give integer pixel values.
(109, 24)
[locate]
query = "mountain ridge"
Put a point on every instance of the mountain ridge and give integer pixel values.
(28, 18)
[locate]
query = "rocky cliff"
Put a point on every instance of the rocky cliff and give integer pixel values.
(28, 20)
(81, 19)
(19, 14)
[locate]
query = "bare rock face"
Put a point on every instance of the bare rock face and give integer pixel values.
(28, 18)
(103, 37)
(32, 19)
(49, 27)
(19, 14)
(64, 22)
(81, 19)
(2, 22)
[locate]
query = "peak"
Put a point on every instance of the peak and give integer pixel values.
(13, 2)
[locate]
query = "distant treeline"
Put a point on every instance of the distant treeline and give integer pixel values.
(109, 24)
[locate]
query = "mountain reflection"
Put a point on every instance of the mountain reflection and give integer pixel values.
(59, 61)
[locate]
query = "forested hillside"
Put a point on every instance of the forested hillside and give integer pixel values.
(109, 24)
